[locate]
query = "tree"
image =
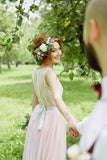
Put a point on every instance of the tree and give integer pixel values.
(6, 29)
(64, 19)
(11, 33)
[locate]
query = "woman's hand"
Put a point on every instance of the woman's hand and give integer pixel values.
(72, 128)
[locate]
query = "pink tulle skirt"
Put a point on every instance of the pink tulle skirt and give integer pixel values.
(48, 142)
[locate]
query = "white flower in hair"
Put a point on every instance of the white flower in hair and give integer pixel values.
(43, 47)
(48, 40)
(38, 53)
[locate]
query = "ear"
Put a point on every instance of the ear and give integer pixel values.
(95, 31)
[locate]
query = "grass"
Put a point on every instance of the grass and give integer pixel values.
(16, 102)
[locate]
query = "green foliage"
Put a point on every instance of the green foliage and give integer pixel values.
(34, 8)
(25, 124)
(8, 46)
(71, 75)
(13, 0)
(5, 29)
(21, 1)
(21, 34)
(64, 19)
(3, 1)
(29, 47)
(20, 19)
(16, 39)
(48, 1)
(12, 33)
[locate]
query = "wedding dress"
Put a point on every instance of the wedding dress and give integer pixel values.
(46, 133)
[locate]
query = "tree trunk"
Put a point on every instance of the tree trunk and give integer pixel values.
(80, 37)
(0, 64)
(17, 64)
(9, 66)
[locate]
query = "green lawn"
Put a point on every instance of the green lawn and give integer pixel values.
(16, 102)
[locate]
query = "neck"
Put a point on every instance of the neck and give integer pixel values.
(47, 64)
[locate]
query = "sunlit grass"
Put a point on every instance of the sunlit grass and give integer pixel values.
(16, 101)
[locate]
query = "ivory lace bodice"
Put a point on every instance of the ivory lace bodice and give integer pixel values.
(42, 90)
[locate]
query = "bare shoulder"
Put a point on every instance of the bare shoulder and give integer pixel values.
(50, 76)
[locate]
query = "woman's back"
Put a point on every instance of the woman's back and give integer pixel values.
(42, 90)
(46, 133)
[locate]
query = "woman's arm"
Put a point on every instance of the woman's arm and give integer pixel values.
(51, 80)
(35, 99)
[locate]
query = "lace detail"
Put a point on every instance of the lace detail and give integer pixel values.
(42, 90)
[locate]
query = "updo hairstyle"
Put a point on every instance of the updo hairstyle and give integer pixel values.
(38, 41)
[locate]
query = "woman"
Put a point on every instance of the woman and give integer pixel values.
(46, 133)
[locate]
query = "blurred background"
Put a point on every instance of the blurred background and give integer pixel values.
(21, 21)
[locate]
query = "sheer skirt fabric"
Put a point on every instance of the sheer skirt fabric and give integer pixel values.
(49, 143)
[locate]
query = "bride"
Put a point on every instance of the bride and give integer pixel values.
(46, 133)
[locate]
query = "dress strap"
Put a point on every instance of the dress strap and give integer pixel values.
(47, 69)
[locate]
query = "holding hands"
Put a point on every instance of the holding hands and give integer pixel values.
(72, 128)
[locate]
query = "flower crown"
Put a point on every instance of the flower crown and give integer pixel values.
(43, 49)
